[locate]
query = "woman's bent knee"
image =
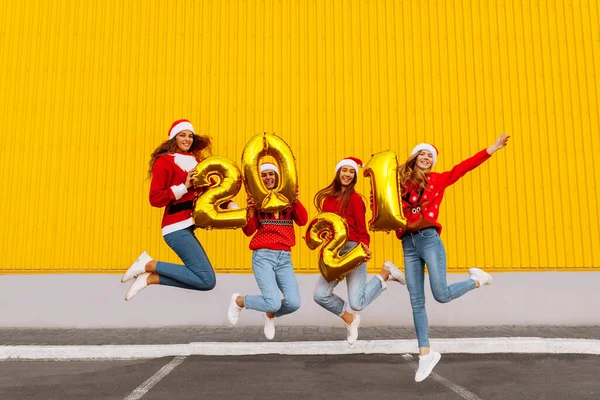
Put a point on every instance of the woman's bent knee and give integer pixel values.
(272, 305)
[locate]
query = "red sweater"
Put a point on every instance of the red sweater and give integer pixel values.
(276, 233)
(354, 216)
(168, 190)
(422, 207)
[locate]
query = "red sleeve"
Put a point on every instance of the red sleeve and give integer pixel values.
(360, 211)
(160, 187)
(251, 226)
(450, 177)
(299, 213)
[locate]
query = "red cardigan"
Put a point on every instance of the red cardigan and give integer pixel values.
(168, 190)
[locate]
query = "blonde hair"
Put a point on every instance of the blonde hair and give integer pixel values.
(408, 173)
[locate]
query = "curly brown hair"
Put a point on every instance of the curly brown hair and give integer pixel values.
(201, 148)
(408, 173)
(335, 189)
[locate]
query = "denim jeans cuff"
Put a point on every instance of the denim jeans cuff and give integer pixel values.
(383, 284)
(344, 309)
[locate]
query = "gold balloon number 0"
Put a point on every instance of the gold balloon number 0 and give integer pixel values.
(287, 188)
(223, 181)
(330, 231)
(386, 206)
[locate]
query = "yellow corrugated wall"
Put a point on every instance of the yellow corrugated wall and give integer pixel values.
(89, 88)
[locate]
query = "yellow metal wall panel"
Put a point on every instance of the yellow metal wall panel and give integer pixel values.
(89, 90)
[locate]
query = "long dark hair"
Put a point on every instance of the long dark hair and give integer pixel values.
(410, 174)
(336, 189)
(201, 148)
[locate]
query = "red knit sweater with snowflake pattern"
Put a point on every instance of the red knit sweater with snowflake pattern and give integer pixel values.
(276, 232)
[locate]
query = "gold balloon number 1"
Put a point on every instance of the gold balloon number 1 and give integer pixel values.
(382, 170)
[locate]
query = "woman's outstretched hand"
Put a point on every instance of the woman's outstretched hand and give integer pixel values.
(501, 142)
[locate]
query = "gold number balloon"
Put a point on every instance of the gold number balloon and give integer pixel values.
(386, 205)
(331, 231)
(287, 188)
(207, 213)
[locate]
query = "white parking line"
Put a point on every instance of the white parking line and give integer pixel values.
(141, 390)
(461, 391)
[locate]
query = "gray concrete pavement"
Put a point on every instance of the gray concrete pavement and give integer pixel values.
(187, 334)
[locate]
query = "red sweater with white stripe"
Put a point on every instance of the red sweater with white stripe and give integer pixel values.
(354, 216)
(422, 207)
(276, 232)
(168, 190)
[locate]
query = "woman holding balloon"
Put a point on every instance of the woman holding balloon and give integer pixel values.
(272, 242)
(341, 198)
(422, 192)
(172, 169)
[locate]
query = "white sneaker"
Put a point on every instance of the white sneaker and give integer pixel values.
(138, 284)
(233, 313)
(352, 329)
(480, 276)
(395, 273)
(426, 364)
(138, 267)
(269, 327)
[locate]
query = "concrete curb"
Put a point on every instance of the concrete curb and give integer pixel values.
(524, 345)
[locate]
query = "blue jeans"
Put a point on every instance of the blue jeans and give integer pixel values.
(420, 248)
(273, 271)
(360, 293)
(197, 273)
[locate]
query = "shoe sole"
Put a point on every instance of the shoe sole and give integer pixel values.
(233, 299)
(436, 359)
(357, 318)
(127, 297)
(268, 338)
(389, 266)
(123, 280)
(485, 274)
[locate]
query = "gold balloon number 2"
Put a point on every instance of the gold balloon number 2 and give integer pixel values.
(330, 231)
(223, 181)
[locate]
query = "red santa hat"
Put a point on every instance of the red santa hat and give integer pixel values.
(349, 162)
(179, 126)
(430, 148)
(268, 163)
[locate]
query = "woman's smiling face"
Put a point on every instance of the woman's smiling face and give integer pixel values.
(269, 178)
(347, 175)
(424, 160)
(184, 140)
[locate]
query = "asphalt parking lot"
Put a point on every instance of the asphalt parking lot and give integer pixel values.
(457, 376)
